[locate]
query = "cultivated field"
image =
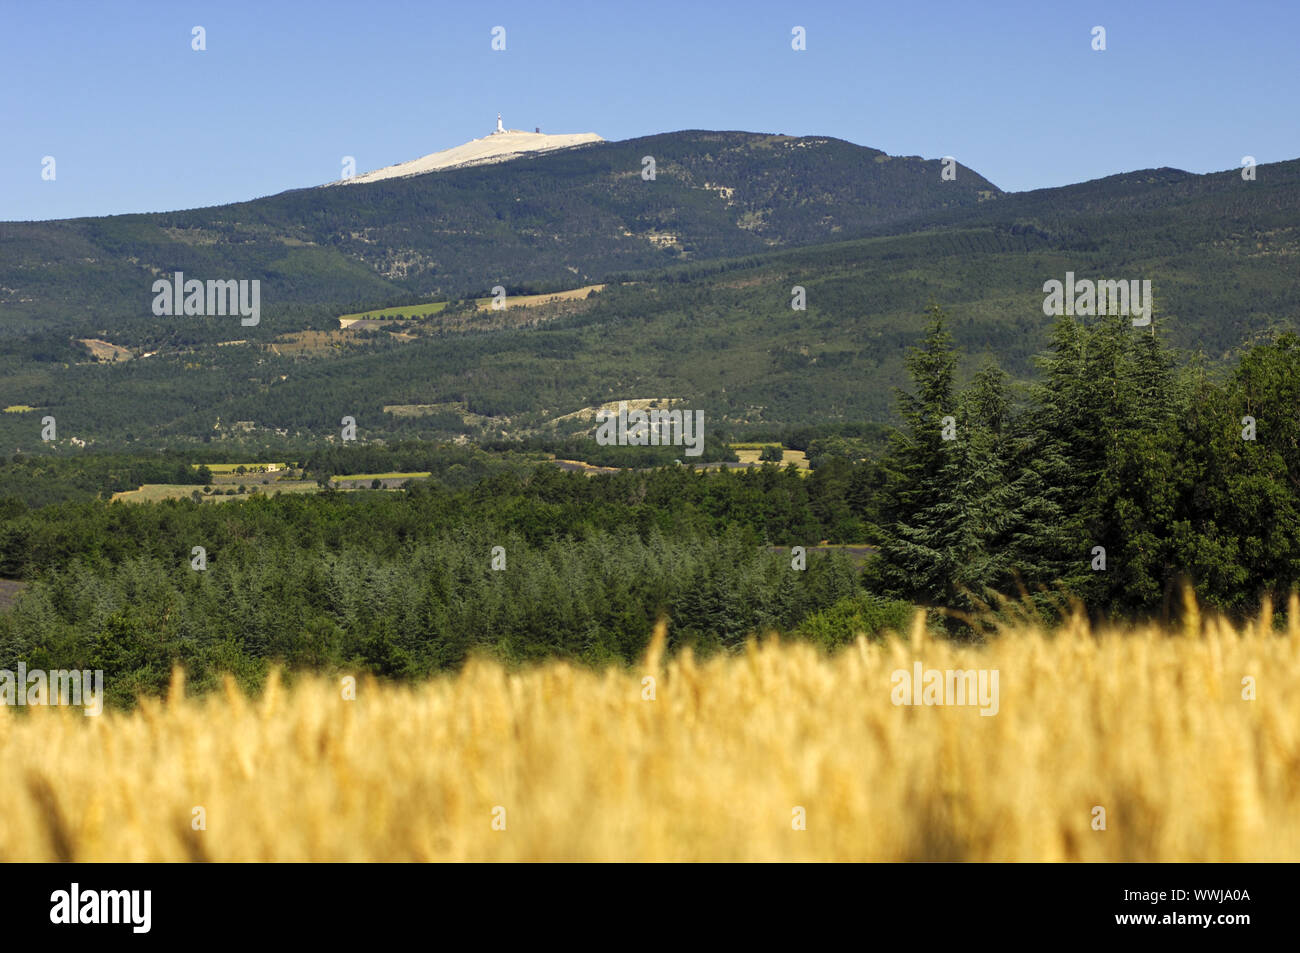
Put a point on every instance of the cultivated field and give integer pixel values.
(1150, 725)
(749, 453)
(106, 351)
(534, 301)
(230, 468)
(406, 312)
(156, 492)
(312, 343)
(413, 475)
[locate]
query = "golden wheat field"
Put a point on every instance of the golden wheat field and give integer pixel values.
(577, 764)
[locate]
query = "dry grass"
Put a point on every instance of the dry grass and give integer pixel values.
(105, 351)
(534, 301)
(1149, 724)
(751, 455)
(313, 343)
(154, 492)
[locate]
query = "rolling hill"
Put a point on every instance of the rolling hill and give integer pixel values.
(705, 318)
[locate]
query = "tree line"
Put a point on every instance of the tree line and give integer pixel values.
(410, 583)
(1116, 477)
(1113, 480)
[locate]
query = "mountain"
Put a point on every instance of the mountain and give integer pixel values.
(705, 319)
(554, 219)
(502, 146)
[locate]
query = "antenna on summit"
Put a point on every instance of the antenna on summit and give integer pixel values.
(500, 128)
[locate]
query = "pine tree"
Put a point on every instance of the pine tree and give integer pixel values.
(1107, 459)
(943, 495)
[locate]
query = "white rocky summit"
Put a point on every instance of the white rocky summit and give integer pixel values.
(501, 145)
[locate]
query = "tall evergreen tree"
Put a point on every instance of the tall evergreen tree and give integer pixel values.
(938, 509)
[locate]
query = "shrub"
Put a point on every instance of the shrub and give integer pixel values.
(861, 613)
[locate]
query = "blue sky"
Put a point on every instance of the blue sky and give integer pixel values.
(138, 121)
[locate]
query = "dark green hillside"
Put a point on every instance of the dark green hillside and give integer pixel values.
(720, 335)
(712, 327)
(1225, 253)
(558, 219)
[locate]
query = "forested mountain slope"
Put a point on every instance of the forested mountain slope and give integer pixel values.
(559, 219)
(718, 334)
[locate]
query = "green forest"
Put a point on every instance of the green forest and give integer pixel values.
(1117, 477)
(978, 461)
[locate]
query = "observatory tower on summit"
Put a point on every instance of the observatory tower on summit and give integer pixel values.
(501, 145)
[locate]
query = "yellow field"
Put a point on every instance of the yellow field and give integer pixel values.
(578, 764)
(155, 492)
(232, 467)
(105, 350)
(750, 454)
(533, 301)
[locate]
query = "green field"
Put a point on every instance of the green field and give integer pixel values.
(383, 476)
(395, 314)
